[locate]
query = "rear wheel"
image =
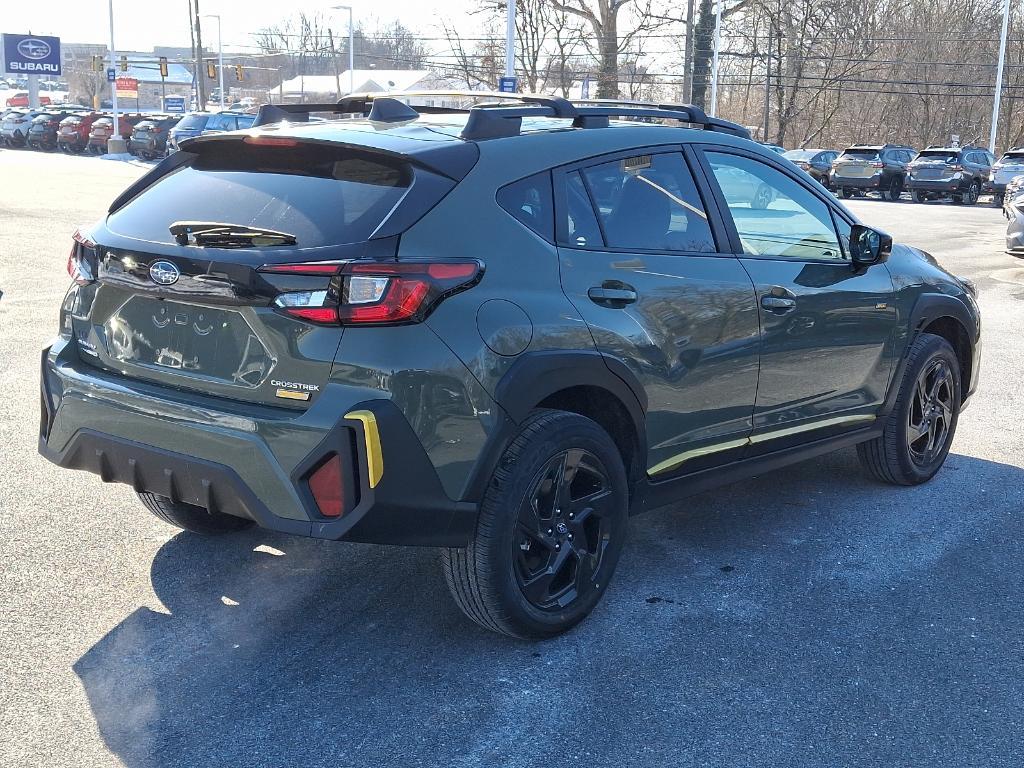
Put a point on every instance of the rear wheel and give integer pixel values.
(846, 193)
(550, 531)
(894, 190)
(190, 517)
(972, 194)
(997, 200)
(762, 197)
(919, 196)
(920, 429)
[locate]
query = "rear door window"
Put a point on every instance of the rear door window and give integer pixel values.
(650, 202)
(321, 196)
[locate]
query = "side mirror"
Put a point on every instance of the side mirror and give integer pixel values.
(868, 246)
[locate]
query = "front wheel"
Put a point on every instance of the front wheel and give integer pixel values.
(551, 528)
(846, 193)
(190, 517)
(920, 428)
(919, 196)
(997, 200)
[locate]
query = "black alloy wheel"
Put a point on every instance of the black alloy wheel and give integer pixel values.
(550, 530)
(564, 527)
(930, 416)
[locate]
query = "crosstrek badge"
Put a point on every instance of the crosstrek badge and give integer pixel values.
(293, 390)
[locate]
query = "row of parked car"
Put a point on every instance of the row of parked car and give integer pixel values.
(77, 129)
(959, 173)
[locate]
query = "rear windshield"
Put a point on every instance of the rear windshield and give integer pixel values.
(861, 154)
(193, 122)
(1012, 157)
(938, 154)
(320, 195)
(800, 154)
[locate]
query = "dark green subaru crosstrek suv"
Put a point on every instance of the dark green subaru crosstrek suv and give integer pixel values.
(497, 330)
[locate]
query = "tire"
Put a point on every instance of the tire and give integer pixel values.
(525, 573)
(997, 200)
(192, 518)
(919, 196)
(846, 193)
(897, 457)
(972, 194)
(892, 194)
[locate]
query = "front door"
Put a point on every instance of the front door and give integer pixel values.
(639, 259)
(827, 328)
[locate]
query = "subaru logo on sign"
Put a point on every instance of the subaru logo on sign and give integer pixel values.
(34, 48)
(164, 273)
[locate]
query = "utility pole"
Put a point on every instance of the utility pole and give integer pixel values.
(714, 59)
(334, 58)
(200, 81)
(767, 83)
(688, 56)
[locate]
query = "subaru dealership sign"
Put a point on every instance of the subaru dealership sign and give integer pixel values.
(31, 55)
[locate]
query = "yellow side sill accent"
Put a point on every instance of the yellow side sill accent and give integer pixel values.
(371, 438)
(679, 459)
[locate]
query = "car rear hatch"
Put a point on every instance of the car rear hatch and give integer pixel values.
(858, 163)
(1010, 165)
(933, 165)
(218, 271)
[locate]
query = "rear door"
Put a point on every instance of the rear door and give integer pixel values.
(639, 258)
(827, 329)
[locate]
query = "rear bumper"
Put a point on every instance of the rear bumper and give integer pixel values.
(857, 182)
(942, 186)
(251, 463)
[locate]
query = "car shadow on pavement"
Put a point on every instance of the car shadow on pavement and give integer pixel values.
(278, 651)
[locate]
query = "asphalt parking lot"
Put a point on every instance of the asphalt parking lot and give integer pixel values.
(813, 619)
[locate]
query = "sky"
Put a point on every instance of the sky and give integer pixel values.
(139, 26)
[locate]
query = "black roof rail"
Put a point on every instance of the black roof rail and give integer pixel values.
(500, 114)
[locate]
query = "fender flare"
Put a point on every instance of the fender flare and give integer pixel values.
(929, 307)
(535, 376)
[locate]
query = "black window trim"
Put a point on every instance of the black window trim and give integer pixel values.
(716, 223)
(837, 211)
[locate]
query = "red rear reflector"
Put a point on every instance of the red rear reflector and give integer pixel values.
(452, 271)
(326, 486)
(271, 141)
(316, 314)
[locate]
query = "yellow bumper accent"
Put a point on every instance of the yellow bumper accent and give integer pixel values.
(371, 437)
(291, 394)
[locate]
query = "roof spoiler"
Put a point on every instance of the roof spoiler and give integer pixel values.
(501, 114)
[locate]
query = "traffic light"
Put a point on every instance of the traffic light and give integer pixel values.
(239, 74)
(124, 63)
(163, 66)
(211, 69)
(97, 63)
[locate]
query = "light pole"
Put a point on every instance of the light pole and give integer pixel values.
(115, 144)
(510, 39)
(999, 78)
(351, 50)
(220, 56)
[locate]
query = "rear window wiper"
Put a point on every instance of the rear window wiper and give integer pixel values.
(212, 234)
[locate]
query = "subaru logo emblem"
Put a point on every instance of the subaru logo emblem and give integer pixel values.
(33, 48)
(164, 273)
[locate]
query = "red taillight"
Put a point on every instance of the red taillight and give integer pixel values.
(327, 486)
(370, 292)
(956, 167)
(877, 164)
(82, 259)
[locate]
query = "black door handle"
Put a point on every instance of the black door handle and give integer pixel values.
(612, 297)
(778, 304)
